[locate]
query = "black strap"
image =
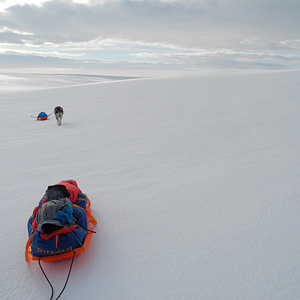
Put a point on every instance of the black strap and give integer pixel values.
(52, 290)
(68, 276)
(84, 229)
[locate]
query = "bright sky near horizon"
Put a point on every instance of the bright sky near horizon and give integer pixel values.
(191, 34)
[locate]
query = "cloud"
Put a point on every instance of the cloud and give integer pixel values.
(13, 37)
(161, 26)
(290, 44)
(184, 23)
(4, 4)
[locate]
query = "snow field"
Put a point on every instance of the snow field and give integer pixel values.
(193, 181)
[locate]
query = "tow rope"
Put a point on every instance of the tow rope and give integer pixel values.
(52, 290)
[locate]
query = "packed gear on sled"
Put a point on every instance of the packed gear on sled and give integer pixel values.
(61, 225)
(42, 116)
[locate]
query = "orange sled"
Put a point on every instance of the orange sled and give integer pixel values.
(42, 118)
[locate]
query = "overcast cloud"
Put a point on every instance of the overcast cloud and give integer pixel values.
(246, 33)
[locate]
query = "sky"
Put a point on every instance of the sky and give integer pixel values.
(173, 34)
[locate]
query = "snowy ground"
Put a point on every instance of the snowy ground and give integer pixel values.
(194, 182)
